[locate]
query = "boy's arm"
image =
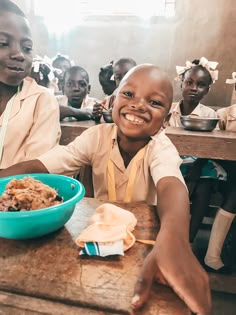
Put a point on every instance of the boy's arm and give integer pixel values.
(171, 260)
(79, 114)
(27, 167)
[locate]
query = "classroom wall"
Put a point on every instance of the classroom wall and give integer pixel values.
(200, 28)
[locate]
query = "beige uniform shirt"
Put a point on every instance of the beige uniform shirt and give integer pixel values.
(227, 117)
(33, 127)
(87, 103)
(200, 111)
(93, 147)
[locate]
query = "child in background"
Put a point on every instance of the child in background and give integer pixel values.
(197, 78)
(227, 115)
(133, 160)
(226, 213)
(27, 110)
(105, 74)
(120, 68)
(60, 64)
(75, 103)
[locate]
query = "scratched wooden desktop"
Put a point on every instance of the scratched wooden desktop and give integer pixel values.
(47, 276)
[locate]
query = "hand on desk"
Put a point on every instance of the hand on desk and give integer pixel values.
(97, 111)
(174, 264)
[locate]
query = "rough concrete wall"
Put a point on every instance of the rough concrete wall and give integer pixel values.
(200, 28)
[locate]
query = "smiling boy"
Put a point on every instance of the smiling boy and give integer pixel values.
(133, 160)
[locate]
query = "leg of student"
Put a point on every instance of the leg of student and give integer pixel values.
(200, 202)
(221, 226)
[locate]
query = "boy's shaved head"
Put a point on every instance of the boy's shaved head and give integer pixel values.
(154, 73)
(9, 6)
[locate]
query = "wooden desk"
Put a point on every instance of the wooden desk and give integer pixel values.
(71, 130)
(216, 144)
(47, 276)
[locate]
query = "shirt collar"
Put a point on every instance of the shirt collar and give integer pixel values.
(197, 110)
(29, 88)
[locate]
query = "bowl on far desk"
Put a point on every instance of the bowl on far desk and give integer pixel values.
(198, 123)
(35, 223)
(107, 116)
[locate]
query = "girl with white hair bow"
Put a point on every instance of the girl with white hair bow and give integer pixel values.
(200, 174)
(226, 213)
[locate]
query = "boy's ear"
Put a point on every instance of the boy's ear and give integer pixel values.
(166, 121)
(89, 88)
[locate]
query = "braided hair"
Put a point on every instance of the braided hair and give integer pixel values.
(105, 74)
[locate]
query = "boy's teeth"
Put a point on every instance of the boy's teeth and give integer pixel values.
(134, 119)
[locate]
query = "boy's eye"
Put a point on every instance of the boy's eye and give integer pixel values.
(69, 84)
(156, 103)
(129, 94)
(27, 50)
(201, 84)
(82, 84)
(3, 44)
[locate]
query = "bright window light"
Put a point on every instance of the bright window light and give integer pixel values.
(61, 18)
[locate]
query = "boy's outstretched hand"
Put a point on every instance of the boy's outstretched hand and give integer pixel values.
(172, 262)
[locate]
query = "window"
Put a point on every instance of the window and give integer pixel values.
(72, 12)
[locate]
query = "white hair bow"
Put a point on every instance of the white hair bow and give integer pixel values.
(37, 61)
(233, 80)
(209, 65)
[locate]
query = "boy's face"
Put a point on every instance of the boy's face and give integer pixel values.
(15, 48)
(142, 102)
(76, 88)
(195, 85)
(120, 71)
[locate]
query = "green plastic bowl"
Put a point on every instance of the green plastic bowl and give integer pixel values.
(31, 224)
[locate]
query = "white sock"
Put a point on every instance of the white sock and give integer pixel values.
(219, 232)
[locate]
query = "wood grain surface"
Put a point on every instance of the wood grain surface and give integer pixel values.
(49, 268)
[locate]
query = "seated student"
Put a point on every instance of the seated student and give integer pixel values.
(227, 115)
(76, 103)
(105, 74)
(226, 213)
(61, 64)
(27, 110)
(120, 68)
(197, 78)
(133, 160)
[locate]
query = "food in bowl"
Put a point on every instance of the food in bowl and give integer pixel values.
(196, 123)
(30, 224)
(28, 194)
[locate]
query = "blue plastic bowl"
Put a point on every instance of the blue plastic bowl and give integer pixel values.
(30, 224)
